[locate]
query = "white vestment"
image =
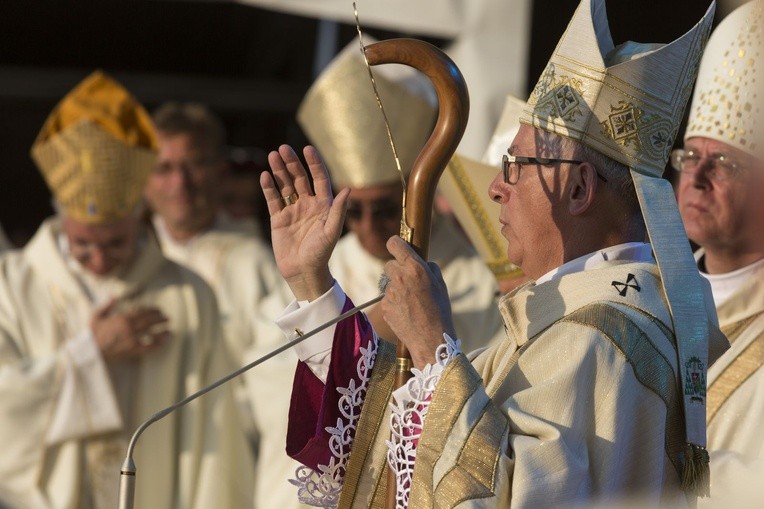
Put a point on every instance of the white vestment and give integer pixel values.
(580, 405)
(250, 291)
(472, 289)
(66, 414)
(736, 392)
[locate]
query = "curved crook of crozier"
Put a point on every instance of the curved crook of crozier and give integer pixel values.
(453, 111)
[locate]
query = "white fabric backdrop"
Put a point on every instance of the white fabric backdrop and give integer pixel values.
(491, 39)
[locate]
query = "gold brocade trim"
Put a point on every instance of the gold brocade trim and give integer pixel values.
(637, 94)
(379, 497)
(750, 360)
(478, 461)
(474, 474)
(655, 320)
(372, 418)
(574, 65)
(650, 367)
(475, 204)
(733, 330)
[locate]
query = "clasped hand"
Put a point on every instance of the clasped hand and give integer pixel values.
(128, 335)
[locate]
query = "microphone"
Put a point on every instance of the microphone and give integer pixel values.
(128, 471)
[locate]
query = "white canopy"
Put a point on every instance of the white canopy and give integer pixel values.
(490, 44)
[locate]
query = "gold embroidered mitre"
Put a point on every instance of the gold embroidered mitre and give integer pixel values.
(465, 184)
(340, 116)
(728, 104)
(96, 150)
(626, 103)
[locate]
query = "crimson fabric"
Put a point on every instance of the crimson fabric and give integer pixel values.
(315, 406)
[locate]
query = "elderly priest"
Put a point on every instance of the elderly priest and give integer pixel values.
(98, 331)
(597, 394)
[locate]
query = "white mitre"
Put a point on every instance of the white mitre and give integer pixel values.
(627, 103)
(465, 184)
(505, 132)
(728, 105)
(342, 119)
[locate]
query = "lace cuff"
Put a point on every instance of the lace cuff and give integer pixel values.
(322, 488)
(409, 409)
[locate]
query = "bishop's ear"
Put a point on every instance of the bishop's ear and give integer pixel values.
(582, 187)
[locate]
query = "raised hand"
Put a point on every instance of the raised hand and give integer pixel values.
(305, 227)
(416, 304)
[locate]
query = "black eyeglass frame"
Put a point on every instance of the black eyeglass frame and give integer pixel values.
(506, 160)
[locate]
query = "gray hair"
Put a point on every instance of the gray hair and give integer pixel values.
(617, 174)
(194, 119)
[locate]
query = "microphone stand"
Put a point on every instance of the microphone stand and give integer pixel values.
(127, 473)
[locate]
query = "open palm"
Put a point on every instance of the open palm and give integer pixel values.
(304, 232)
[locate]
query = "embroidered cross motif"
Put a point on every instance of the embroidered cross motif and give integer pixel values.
(623, 124)
(660, 139)
(631, 282)
(656, 137)
(566, 100)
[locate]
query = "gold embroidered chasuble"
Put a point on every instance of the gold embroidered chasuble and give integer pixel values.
(196, 457)
(580, 404)
(736, 399)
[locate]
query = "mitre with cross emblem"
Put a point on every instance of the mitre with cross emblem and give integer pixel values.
(626, 102)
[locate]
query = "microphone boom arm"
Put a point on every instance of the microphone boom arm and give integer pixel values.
(127, 472)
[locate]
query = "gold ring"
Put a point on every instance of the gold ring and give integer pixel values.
(288, 200)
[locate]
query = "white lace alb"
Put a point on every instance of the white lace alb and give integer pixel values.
(409, 408)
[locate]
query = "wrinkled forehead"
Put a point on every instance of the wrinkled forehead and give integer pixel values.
(533, 142)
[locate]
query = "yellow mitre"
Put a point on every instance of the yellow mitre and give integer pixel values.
(340, 116)
(96, 151)
(465, 184)
(727, 105)
(627, 103)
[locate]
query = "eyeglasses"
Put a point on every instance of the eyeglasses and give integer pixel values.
(719, 167)
(380, 210)
(510, 166)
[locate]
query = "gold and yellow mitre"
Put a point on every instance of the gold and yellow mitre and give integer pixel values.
(626, 103)
(96, 151)
(728, 105)
(465, 184)
(340, 116)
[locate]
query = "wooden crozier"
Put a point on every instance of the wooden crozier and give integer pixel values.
(453, 110)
